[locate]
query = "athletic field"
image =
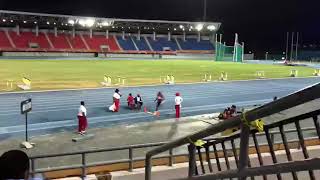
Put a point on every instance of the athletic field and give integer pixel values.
(58, 74)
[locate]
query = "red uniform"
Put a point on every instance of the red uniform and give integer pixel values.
(116, 101)
(130, 101)
(178, 101)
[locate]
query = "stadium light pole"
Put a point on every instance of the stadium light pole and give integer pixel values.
(287, 46)
(204, 10)
(297, 44)
(292, 44)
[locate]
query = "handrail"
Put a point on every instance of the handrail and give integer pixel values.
(297, 98)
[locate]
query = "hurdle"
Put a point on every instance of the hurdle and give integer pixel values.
(223, 76)
(168, 79)
(121, 80)
(260, 74)
(26, 84)
(294, 73)
(107, 81)
(207, 77)
(316, 72)
(9, 84)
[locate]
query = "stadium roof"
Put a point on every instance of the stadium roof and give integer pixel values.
(65, 22)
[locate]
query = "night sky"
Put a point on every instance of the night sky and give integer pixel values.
(261, 24)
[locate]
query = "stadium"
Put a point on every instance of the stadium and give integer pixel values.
(165, 100)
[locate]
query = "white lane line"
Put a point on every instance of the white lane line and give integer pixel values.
(100, 119)
(53, 108)
(161, 85)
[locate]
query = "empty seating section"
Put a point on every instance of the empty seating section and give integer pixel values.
(65, 42)
(161, 43)
(97, 41)
(193, 44)
(126, 43)
(59, 41)
(25, 38)
(4, 41)
(141, 44)
(76, 42)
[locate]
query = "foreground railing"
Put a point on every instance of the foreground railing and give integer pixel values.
(223, 141)
(306, 95)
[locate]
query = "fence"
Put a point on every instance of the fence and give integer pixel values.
(298, 98)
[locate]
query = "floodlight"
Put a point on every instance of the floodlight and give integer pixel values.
(4, 20)
(11, 21)
(24, 21)
(189, 29)
(82, 22)
(199, 27)
(35, 22)
(181, 27)
(48, 22)
(175, 29)
(71, 22)
(211, 27)
(90, 22)
(106, 23)
(54, 23)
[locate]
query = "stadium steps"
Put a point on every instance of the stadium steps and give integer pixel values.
(97, 41)
(60, 41)
(84, 42)
(117, 42)
(141, 44)
(48, 39)
(148, 43)
(178, 44)
(3, 40)
(126, 43)
(77, 42)
(69, 42)
(134, 43)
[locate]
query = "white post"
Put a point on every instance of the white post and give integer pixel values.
(91, 33)
(291, 53)
(184, 36)
(55, 31)
(297, 44)
(235, 47)
(154, 35)
(18, 30)
(242, 51)
(123, 35)
(139, 35)
(199, 36)
(169, 36)
(107, 34)
(287, 46)
(73, 32)
(37, 30)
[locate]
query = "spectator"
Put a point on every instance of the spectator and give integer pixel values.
(233, 110)
(275, 98)
(138, 101)
(130, 101)
(14, 164)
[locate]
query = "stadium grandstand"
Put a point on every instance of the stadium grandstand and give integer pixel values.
(51, 34)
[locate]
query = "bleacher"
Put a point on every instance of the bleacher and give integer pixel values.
(193, 44)
(160, 43)
(97, 41)
(4, 41)
(126, 44)
(26, 38)
(59, 41)
(141, 44)
(47, 41)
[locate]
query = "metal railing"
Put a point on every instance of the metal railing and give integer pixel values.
(84, 165)
(303, 96)
(193, 168)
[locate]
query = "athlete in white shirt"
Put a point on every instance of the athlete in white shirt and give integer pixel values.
(178, 100)
(82, 117)
(116, 100)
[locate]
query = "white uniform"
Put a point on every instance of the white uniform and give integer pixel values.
(178, 100)
(82, 110)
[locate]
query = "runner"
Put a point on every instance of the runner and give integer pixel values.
(159, 100)
(130, 101)
(82, 117)
(116, 100)
(138, 101)
(178, 101)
